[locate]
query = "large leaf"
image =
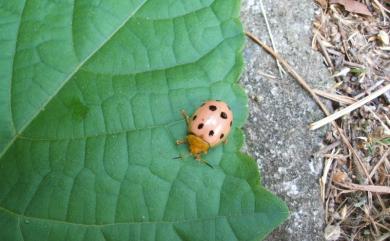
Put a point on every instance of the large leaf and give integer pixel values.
(90, 100)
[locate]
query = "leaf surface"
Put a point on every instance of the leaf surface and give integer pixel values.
(91, 93)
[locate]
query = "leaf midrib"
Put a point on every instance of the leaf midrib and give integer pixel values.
(2, 209)
(14, 131)
(77, 68)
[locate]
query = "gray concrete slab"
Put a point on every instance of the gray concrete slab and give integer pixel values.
(280, 112)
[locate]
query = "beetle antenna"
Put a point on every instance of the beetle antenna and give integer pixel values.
(206, 162)
(182, 156)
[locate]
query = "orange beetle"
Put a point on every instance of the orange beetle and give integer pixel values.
(207, 127)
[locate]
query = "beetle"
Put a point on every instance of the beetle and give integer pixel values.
(209, 126)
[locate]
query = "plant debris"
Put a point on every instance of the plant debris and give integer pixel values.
(353, 37)
(353, 6)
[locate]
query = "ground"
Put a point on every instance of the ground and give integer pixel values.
(277, 134)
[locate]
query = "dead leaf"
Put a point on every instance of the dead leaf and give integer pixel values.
(383, 37)
(323, 3)
(332, 232)
(340, 176)
(353, 6)
(343, 72)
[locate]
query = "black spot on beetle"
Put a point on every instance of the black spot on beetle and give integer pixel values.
(212, 107)
(200, 126)
(211, 133)
(223, 115)
(221, 136)
(231, 122)
(193, 118)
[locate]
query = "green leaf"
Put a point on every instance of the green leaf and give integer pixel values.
(357, 71)
(384, 141)
(90, 100)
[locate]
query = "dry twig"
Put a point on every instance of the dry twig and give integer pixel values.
(349, 109)
(280, 68)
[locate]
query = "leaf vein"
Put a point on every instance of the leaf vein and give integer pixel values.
(77, 68)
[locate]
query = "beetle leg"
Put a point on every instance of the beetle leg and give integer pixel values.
(186, 117)
(178, 142)
(225, 141)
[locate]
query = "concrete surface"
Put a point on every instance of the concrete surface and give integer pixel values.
(280, 111)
